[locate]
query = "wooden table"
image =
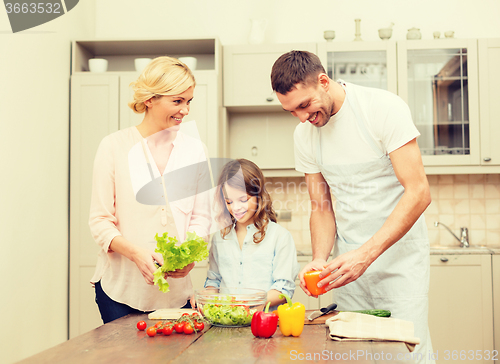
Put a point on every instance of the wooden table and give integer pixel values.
(120, 342)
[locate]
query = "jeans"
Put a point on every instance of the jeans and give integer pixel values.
(111, 310)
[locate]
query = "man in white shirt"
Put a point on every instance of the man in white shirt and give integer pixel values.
(359, 145)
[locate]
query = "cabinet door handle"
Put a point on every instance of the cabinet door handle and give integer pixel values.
(487, 159)
(270, 99)
(443, 259)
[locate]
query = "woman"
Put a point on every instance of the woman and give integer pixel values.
(122, 221)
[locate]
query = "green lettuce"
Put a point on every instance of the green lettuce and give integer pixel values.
(228, 315)
(194, 249)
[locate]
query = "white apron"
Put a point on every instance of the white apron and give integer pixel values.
(366, 194)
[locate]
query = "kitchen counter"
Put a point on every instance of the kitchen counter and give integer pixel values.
(456, 250)
(120, 342)
(437, 250)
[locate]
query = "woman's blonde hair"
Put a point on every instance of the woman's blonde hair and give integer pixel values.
(162, 76)
(244, 175)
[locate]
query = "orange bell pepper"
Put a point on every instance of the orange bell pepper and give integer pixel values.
(312, 279)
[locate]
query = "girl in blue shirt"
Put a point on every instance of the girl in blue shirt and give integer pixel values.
(252, 250)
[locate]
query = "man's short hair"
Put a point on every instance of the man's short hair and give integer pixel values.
(295, 67)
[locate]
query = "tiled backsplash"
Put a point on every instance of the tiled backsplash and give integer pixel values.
(472, 201)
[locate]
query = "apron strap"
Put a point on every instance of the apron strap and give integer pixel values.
(353, 103)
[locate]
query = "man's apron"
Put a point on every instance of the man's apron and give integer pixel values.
(366, 194)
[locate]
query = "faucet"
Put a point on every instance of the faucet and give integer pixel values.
(464, 234)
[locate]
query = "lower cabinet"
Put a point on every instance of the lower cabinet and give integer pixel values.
(495, 265)
(461, 308)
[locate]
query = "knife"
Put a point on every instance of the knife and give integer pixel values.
(322, 311)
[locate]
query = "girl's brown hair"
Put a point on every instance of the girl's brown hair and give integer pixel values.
(244, 175)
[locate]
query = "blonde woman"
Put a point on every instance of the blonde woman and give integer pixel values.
(123, 219)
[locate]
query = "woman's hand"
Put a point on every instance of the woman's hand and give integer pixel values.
(144, 260)
(317, 264)
(180, 273)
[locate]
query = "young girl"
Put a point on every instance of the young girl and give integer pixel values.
(251, 250)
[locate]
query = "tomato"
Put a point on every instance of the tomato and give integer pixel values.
(141, 325)
(158, 324)
(151, 331)
(188, 329)
(199, 326)
(179, 327)
(167, 330)
(185, 314)
(312, 279)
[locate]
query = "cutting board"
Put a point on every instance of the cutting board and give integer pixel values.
(169, 313)
(320, 320)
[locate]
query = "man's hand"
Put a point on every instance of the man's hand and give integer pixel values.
(317, 264)
(346, 268)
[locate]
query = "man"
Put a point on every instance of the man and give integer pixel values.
(359, 144)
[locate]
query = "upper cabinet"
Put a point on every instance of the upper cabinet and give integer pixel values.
(255, 125)
(371, 64)
(439, 81)
(489, 96)
(247, 73)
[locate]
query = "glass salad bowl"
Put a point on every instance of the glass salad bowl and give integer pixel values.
(230, 307)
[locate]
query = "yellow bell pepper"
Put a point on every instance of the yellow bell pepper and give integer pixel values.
(291, 317)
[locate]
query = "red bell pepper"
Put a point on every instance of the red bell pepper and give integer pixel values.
(264, 324)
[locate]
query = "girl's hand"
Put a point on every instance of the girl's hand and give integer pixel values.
(193, 302)
(317, 264)
(182, 272)
(144, 260)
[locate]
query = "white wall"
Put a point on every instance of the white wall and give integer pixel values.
(34, 129)
(294, 20)
(34, 94)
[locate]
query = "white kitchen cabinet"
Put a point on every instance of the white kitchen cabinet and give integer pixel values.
(371, 64)
(495, 266)
(489, 107)
(265, 138)
(460, 306)
(256, 127)
(94, 114)
(439, 81)
(247, 73)
(99, 108)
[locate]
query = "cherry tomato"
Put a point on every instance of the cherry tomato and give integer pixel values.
(151, 331)
(141, 325)
(188, 329)
(199, 326)
(158, 324)
(179, 327)
(185, 314)
(195, 314)
(167, 330)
